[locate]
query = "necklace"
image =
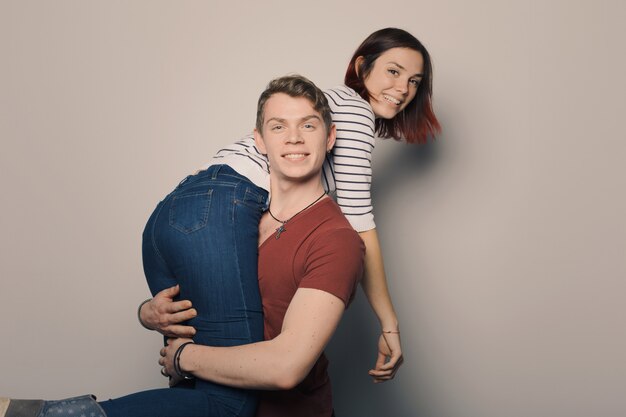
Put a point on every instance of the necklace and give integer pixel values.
(281, 229)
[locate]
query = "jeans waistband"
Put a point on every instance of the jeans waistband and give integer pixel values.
(211, 172)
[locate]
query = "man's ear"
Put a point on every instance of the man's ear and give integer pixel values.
(357, 65)
(258, 141)
(332, 135)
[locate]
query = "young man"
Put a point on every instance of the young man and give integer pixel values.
(310, 261)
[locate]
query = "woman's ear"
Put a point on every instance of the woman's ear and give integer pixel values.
(357, 65)
(258, 141)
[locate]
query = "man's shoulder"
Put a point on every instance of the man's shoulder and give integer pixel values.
(333, 228)
(332, 218)
(332, 255)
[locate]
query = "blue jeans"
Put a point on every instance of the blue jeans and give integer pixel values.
(204, 236)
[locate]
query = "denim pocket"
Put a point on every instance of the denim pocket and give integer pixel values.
(190, 212)
(254, 199)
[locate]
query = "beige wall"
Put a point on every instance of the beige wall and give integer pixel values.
(504, 241)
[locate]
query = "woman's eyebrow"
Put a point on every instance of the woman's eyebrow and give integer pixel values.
(419, 74)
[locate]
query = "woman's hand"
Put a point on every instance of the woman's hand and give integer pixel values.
(167, 359)
(389, 357)
(164, 315)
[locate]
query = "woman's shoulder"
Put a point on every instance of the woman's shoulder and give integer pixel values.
(344, 92)
(344, 98)
(342, 89)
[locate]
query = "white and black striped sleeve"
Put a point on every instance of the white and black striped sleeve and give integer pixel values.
(244, 157)
(350, 172)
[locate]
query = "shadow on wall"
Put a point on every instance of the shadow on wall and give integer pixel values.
(396, 166)
(353, 349)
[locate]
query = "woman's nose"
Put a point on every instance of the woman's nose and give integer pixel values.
(402, 86)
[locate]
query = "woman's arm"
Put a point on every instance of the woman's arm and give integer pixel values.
(280, 363)
(352, 173)
(374, 285)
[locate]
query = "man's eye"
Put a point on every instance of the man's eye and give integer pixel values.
(277, 127)
(309, 126)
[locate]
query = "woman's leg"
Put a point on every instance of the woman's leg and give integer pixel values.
(83, 406)
(204, 236)
(166, 402)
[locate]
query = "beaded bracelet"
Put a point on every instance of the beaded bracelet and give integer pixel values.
(177, 369)
(139, 314)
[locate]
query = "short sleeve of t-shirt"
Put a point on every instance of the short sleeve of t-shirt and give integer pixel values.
(335, 263)
(349, 171)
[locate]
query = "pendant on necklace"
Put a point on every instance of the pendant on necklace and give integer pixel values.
(280, 230)
(283, 222)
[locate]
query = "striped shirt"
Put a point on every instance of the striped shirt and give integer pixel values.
(347, 171)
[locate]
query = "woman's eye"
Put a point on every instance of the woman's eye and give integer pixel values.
(393, 71)
(415, 82)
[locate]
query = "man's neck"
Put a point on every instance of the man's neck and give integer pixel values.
(288, 198)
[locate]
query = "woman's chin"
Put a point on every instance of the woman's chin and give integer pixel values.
(385, 111)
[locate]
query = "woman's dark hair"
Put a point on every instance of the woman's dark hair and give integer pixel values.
(417, 122)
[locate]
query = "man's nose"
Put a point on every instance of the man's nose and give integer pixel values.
(294, 136)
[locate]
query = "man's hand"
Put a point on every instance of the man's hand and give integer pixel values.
(166, 360)
(163, 314)
(389, 357)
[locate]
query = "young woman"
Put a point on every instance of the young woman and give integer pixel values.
(202, 238)
(387, 92)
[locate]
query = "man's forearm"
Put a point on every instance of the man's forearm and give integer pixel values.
(279, 363)
(262, 365)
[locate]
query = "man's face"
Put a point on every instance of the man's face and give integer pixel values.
(294, 138)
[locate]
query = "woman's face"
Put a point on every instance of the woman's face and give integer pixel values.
(392, 83)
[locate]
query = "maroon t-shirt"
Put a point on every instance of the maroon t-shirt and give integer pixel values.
(318, 249)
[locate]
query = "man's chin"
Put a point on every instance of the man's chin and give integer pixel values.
(302, 177)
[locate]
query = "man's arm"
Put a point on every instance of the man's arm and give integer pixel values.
(164, 315)
(280, 363)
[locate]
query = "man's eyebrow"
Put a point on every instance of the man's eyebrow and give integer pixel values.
(418, 75)
(302, 119)
(311, 116)
(275, 119)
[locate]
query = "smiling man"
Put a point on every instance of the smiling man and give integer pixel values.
(310, 261)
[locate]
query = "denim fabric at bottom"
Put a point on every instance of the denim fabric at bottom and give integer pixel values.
(204, 236)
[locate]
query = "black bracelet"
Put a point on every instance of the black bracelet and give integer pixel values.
(139, 314)
(177, 369)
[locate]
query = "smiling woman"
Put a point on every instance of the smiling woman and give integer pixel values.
(388, 92)
(200, 244)
(417, 122)
(393, 81)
